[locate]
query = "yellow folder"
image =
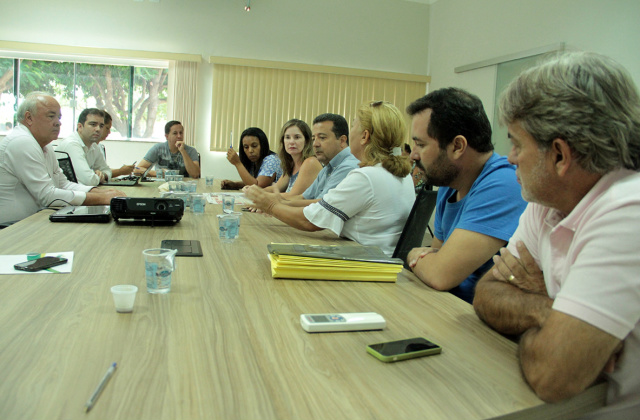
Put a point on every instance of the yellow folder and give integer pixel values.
(334, 262)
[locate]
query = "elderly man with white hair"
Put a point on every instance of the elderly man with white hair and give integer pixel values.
(30, 178)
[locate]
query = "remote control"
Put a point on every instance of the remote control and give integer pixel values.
(357, 321)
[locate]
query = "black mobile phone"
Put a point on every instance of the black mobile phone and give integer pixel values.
(40, 263)
(410, 348)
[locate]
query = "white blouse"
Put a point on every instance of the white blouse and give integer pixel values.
(369, 206)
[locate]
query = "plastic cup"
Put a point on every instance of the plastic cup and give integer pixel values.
(208, 181)
(228, 227)
(192, 186)
(159, 264)
(198, 202)
(124, 295)
(237, 213)
(228, 201)
(181, 186)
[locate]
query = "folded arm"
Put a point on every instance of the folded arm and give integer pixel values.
(564, 356)
(463, 253)
(560, 355)
(192, 166)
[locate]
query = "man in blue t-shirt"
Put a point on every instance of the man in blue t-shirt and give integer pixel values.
(479, 201)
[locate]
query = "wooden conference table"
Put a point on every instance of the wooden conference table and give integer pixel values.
(226, 342)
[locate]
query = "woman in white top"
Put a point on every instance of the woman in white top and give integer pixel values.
(372, 204)
(299, 165)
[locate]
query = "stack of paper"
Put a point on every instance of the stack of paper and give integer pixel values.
(332, 262)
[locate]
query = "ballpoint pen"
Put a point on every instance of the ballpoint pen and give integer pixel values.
(94, 397)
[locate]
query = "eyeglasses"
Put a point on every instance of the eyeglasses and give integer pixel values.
(376, 103)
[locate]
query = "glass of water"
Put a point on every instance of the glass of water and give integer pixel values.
(159, 264)
(228, 201)
(198, 201)
(228, 226)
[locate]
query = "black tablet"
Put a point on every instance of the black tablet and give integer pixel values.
(186, 248)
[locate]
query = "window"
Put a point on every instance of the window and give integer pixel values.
(134, 96)
(7, 97)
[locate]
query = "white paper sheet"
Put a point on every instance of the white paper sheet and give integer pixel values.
(241, 199)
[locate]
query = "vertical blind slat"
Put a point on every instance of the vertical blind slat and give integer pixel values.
(264, 97)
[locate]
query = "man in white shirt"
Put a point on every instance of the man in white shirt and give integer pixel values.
(88, 160)
(30, 178)
(106, 130)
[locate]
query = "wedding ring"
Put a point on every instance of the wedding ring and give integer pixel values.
(511, 278)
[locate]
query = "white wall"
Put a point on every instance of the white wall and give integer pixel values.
(386, 35)
(467, 31)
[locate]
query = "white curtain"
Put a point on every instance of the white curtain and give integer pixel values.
(182, 96)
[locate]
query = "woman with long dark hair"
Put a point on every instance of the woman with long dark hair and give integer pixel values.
(255, 162)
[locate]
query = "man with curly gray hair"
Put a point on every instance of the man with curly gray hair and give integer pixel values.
(569, 280)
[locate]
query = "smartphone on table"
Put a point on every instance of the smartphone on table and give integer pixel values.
(393, 351)
(40, 264)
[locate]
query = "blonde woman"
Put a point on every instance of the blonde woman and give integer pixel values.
(299, 165)
(372, 203)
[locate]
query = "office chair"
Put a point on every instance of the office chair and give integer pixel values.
(67, 167)
(418, 222)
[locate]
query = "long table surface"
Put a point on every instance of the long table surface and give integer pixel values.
(226, 342)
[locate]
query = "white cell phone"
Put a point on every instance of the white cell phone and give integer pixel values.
(355, 321)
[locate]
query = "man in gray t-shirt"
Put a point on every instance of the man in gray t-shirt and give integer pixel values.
(174, 154)
(163, 158)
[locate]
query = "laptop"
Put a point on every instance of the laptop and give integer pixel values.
(189, 248)
(127, 180)
(83, 214)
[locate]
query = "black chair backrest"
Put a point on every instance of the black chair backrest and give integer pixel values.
(418, 222)
(67, 167)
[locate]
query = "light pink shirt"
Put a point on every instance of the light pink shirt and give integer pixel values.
(591, 265)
